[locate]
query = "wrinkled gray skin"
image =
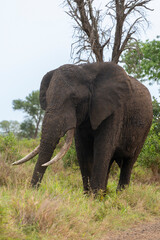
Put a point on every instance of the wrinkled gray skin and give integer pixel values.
(110, 112)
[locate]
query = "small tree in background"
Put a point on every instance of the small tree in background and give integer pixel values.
(10, 126)
(98, 32)
(25, 129)
(31, 106)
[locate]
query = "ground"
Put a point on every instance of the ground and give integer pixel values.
(147, 231)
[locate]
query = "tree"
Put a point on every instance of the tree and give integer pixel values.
(96, 30)
(5, 127)
(142, 60)
(9, 126)
(31, 106)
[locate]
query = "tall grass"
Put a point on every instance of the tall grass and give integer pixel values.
(60, 210)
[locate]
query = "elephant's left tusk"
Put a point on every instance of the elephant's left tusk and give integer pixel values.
(64, 149)
(28, 157)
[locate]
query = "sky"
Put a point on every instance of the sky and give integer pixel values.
(36, 37)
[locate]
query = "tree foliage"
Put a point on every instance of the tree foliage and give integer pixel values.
(156, 115)
(98, 32)
(31, 106)
(142, 60)
(28, 129)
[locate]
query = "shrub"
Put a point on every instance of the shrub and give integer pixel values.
(150, 155)
(70, 159)
(9, 146)
(28, 144)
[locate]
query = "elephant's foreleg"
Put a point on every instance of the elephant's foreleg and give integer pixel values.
(105, 142)
(100, 173)
(84, 148)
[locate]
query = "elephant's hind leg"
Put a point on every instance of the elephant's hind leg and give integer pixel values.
(126, 169)
(129, 159)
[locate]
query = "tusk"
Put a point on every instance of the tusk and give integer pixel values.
(64, 149)
(28, 157)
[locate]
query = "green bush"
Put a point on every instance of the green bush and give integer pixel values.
(150, 155)
(29, 143)
(9, 147)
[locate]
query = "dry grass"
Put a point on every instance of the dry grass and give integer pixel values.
(12, 176)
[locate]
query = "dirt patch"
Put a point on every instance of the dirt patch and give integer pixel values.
(147, 231)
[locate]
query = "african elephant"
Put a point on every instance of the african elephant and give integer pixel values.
(108, 112)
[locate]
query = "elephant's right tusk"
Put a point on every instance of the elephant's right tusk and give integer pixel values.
(28, 157)
(64, 149)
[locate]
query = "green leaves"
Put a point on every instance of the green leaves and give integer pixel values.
(142, 60)
(156, 115)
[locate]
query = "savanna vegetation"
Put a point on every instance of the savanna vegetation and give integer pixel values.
(59, 209)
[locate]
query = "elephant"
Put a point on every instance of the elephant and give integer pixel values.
(108, 112)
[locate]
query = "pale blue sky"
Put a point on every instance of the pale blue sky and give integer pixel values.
(36, 37)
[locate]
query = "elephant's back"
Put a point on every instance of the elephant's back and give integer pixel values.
(140, 103)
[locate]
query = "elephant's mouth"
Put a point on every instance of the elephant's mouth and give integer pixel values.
(62, 152)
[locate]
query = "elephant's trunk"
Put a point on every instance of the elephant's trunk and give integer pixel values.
(45, 154)
(52, 130)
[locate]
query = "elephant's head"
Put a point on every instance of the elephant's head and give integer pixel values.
(65, 99)
(70, 95)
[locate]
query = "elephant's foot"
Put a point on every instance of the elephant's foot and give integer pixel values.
(121, 187)
(34, 184)
(99, 193)
(36, 180)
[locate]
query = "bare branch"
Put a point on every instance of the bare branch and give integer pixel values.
(96, 30)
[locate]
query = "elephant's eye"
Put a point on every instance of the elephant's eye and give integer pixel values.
(74, 98)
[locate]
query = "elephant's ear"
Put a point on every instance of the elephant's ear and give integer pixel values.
(43, 88)
(108, 95)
